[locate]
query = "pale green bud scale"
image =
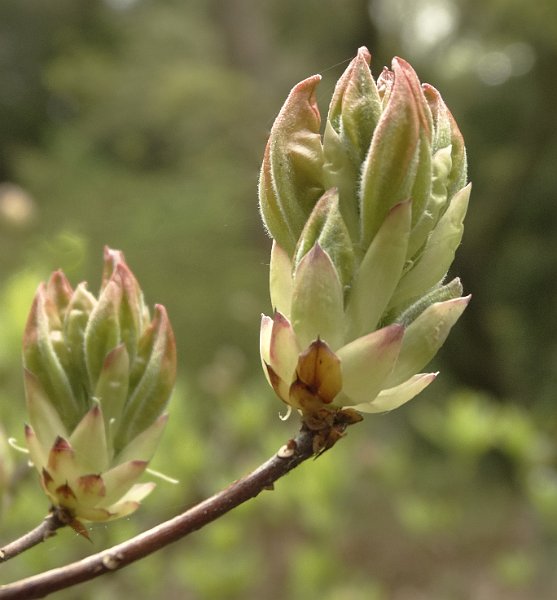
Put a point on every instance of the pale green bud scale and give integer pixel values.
(424, 336)
(280, 280)
(112, 387)
(438, 253)
(380, 349)
(41, 359)
(143, 446)
(438, 294)
(389, 170)
(283, 347)
(394, 397)
(151, 394)
(379, 272)
(90, 433)
(290, 180)
(317, 300)
(41, 411)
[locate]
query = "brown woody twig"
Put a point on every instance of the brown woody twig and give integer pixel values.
(46, 529)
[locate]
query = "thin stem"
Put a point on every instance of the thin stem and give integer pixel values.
(287, 458)
(46, 529)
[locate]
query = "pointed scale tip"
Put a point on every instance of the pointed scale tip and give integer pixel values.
(364, 53)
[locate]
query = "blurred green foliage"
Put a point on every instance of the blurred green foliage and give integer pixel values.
(141, 125)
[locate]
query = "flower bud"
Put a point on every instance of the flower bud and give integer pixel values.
(98, 375)
(366, 222)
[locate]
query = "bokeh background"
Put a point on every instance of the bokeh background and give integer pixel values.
(141, 124)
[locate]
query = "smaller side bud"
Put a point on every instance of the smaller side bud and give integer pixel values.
(98, 377)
